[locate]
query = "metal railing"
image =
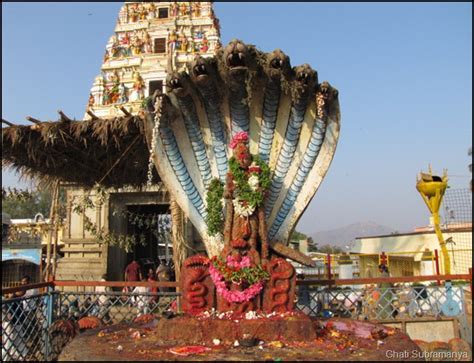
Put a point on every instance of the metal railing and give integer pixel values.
(383, 302)
(25, 328)
(37, 327)
(114, 307)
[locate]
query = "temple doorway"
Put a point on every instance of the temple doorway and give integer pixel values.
(150, 225)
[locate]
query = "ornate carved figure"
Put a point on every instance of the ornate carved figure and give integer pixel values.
(125, 39)
(279, 291)
(91, 101)
(151, 11)
(147, 43)
(172, 40)
(192, 46)
(183, 9)
(122, 92)
(196, 9)
(136, 45)
(204, 47)
(142, 12)
(125, 48)
(113, 46)
(174, 9)
(133, 14)
(106, 97)
(245, 243)
(106, 56)
(198, 34)
(114, 93)
(196, 285)
(184, 44)
(138, 88)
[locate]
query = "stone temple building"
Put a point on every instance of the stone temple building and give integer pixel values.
(149, 40)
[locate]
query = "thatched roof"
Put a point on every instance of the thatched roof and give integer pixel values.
(112, 152)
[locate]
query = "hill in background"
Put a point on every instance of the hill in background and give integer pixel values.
(343, 236)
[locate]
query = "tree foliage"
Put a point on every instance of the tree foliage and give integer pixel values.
(25, 204)
(297, 236)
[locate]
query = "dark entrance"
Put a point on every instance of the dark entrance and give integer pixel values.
(150, 225)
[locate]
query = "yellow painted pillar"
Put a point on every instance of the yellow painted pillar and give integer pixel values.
(432, 190)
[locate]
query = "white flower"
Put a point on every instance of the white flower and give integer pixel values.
(243, 211)
(253, 182)
(251, 315)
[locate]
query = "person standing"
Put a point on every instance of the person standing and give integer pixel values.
(151, 277)
(163, 274)
(25, 314)
(133, 272)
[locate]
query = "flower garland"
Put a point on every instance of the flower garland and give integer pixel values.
(214, 219)
(237, 272)
(251, 184)
(242, 208)
(239, 137)
(154, 139)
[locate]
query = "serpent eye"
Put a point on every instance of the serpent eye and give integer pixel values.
(276, 63)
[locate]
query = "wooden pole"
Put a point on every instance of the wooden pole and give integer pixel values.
(177, 232)
(56, 227)
(125, 111)
(7, 123)
(92, 115)
(31, 119)
(50, 235)
(63, 116)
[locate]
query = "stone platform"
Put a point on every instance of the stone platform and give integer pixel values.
(197, 330)
(288, 338)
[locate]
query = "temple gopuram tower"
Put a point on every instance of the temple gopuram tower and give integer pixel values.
(150, 39)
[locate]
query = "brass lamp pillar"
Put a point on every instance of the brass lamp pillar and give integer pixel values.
(432, 188)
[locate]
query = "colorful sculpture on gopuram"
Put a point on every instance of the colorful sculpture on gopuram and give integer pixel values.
(242, 141)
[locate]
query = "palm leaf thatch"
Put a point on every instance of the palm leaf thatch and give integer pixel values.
(112, 152)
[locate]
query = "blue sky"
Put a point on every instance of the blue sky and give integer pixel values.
(403, 70)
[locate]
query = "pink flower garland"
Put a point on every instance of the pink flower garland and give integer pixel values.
(241, 136)
(244, 262)
(233, 296)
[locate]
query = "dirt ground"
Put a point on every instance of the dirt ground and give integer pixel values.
(339, 339)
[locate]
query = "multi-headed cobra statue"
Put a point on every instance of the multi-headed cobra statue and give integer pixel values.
(242, 141)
